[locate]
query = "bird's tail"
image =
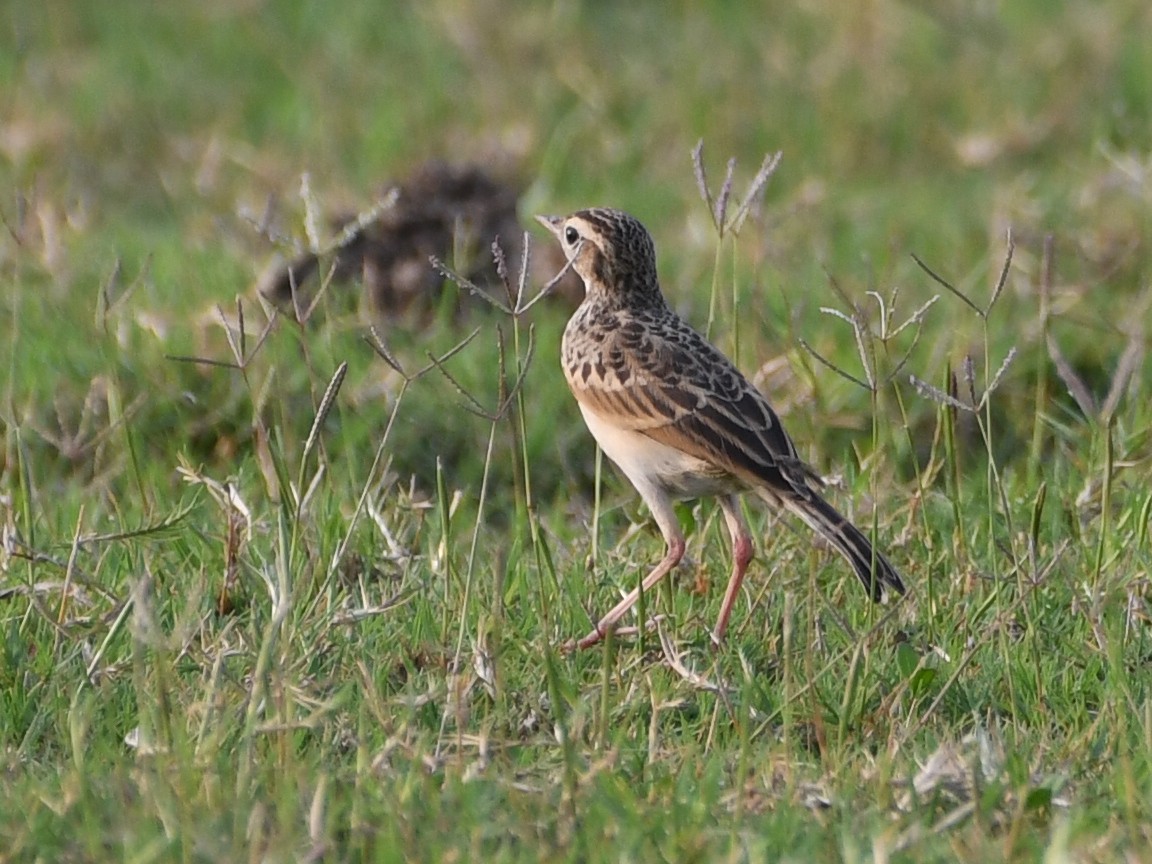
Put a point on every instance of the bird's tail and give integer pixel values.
(874, 570)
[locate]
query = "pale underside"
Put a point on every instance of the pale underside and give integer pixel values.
(647, 462)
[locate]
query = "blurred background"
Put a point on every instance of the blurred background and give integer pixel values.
(152, 156)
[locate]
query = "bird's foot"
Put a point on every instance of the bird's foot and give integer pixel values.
(601, 631)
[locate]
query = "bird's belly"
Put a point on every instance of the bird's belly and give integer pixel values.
(645, 461)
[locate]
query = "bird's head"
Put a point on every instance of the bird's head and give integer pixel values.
(610, 250)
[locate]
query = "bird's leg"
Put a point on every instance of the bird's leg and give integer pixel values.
(671, 559)
(742, 551)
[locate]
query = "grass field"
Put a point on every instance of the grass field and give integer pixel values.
(243, 622)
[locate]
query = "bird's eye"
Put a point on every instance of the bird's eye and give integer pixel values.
(571, 235)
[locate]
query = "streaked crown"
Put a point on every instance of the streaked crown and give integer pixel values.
(611, 251)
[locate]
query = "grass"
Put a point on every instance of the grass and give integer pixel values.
(241, 621)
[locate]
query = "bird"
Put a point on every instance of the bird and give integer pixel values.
(677, 417)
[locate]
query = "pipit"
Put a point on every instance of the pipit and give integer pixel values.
(676, 416)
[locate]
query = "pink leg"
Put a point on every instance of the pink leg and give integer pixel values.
(671, 559)
(660, 504)
(742, 551)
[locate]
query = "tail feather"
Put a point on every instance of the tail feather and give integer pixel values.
(874, 570)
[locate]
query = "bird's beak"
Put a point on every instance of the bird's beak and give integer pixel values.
(552, 223)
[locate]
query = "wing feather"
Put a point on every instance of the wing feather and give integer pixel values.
(682, 392)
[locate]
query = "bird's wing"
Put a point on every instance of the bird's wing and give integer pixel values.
(672, 385)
